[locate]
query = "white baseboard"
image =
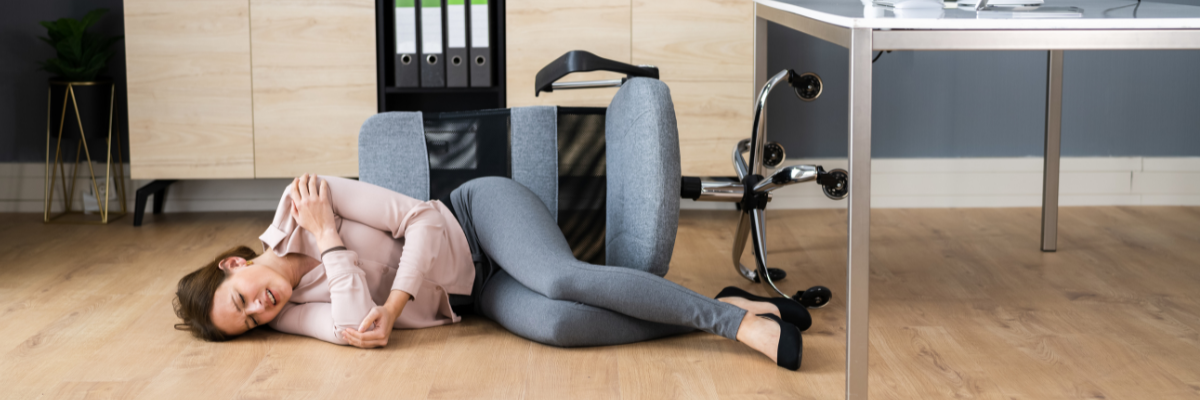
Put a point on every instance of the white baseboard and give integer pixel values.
(895, 183)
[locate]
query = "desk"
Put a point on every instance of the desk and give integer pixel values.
(864, 29)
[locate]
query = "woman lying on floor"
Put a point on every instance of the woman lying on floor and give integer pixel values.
(349, 261)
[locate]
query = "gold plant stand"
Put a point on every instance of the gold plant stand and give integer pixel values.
(56, 171)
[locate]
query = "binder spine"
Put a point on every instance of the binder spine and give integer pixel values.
(480, 41)
(407, 65)
(456, 43)
(433, 71)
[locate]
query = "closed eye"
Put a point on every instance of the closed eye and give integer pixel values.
(243, 307)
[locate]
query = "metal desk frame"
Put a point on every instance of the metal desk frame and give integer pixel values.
(862, 42)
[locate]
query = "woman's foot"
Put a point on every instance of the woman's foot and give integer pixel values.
(787, 309)
(752, 307)
(770, 335)
(760, 334)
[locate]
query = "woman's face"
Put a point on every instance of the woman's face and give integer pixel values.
(252, 295)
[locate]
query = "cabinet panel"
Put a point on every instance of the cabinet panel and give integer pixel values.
(188, 73)
(539, 31)
(694, 40)
(712, 118)
(703, 49)
(314, 84)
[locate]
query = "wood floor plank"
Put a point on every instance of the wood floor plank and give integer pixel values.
(670, 368)
(484, 362)
(932, 363)
(575, 373)
(402, 369)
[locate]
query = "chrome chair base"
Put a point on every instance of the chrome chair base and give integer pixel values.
(752, 191)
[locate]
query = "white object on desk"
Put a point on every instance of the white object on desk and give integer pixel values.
(908, 13)
(984, 10)
(909, 4)
(1029, 12)
(972, 3)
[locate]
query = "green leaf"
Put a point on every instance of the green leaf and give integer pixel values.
(80, 55)
(92, 17)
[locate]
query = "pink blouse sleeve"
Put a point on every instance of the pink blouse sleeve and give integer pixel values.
(308, 319)
(350, 302)
(418, 222)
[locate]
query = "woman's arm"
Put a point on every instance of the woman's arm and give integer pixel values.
(376, 328)
(350, 299)
(420, 224)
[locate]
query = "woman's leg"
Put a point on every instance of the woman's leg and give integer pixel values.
(563, 323)
(514, 229)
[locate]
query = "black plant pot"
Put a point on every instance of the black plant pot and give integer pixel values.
(94, 101)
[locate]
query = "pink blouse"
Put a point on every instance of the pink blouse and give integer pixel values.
(393, 242)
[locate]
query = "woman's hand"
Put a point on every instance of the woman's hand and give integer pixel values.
(311, 206)
(377, 325)
(374, 330)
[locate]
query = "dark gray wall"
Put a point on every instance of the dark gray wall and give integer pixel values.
(991, 104)
(23, 86)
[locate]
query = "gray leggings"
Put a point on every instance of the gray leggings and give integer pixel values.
(542, 293)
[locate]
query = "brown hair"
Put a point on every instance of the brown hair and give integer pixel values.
(194, 296)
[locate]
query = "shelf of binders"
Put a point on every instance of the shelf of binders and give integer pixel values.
(401, 90)
(440, 55)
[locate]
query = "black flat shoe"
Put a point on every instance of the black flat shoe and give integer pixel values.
(791, 345)
(791, 311)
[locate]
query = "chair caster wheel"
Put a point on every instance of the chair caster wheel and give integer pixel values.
(773, 154)
(807, 85)
(775, 273)
(837, 185)
(814, 297)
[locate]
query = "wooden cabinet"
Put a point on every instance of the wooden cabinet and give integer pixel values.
(539, 31)
(314, 84)
(702, 49)
(276, 88)
(248, 89)
(188, 66)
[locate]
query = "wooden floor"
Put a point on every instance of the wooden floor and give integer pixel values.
(963, 305)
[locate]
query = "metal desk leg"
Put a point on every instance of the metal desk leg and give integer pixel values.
(1050, 171)
(859, 216)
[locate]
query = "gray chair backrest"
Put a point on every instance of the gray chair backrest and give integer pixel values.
(642, 168)
(534, 146)
(392, 153)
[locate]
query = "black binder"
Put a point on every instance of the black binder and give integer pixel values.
(433, 70)
(407, 67)
(481, 50)
(456, 43)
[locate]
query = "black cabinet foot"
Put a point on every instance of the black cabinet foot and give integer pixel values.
(158, 188)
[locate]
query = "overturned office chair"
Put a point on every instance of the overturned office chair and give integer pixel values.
(611, 177)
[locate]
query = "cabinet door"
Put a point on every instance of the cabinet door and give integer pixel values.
(703, 50)
(539, 31)
(314, 84)
(188, 73)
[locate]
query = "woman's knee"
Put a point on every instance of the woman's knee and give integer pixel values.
(565, 326)
(560, 286)
(488, 183)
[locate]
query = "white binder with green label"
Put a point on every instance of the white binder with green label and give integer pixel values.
(481, 55)
(407, 68)
(433, 70)
(456, 43)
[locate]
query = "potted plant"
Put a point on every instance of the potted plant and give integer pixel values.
(80, 55)
(78, 92)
